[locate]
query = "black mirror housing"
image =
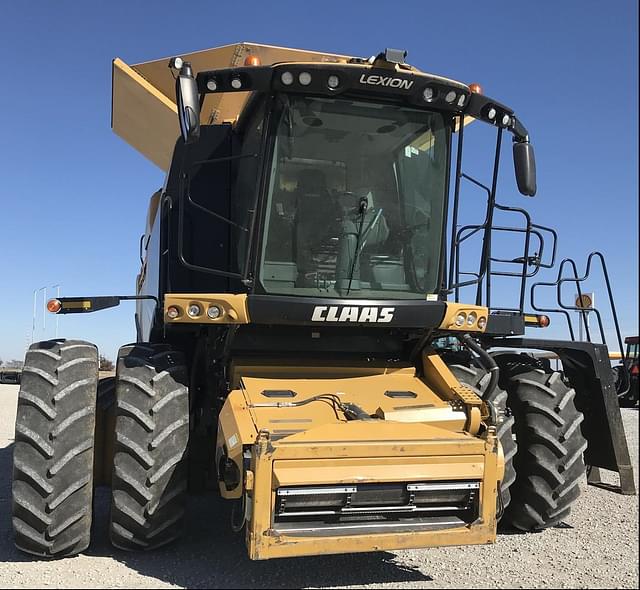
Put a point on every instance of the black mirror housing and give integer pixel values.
(524, 162)
(188, 102)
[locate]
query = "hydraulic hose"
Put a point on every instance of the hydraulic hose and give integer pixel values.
(486, 361)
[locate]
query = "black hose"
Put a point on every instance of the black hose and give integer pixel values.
(486, 361)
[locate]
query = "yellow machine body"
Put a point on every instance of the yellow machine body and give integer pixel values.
(423, 472)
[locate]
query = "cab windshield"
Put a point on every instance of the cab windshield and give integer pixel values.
(355, 200)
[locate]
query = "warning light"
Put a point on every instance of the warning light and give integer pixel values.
(252, 60)
(54, 305)
(475, 88)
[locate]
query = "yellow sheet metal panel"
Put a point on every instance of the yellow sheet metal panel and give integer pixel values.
(235, 429)
(453, 309)
(233, 308)
(444, 417)
(271, 547)
(141, 115)
(265, 542)
(376, 437)
(369, 392)
(275, 368)
(143, 110)
(377, 470)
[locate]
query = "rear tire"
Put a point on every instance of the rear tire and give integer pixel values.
(53, 456)
(149, 480)
(549, 463)
(478, 380)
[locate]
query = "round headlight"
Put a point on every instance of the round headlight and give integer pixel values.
(286, 78)
(173, 312)
(506, 119)
(333, 81)
(491, 114)
(460, 319)
(212, 84)
(194, 310)
(450, 96)
(236, 83)
(214, 312)
(428, 93)
(471, 318)
(304, 78)
(482, 323)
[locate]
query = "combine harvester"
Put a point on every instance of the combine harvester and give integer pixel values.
(302, 340)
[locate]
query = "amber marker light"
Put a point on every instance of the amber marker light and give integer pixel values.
(54, 305)
(475, 88)
(252, 60)
(544, 321)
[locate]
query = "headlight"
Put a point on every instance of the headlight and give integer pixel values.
(450, 96)
(286, 78)
(194, 310)
(236, 83)
(471, 318)
(460, 319)
(333, 81)
(482, 323)
(304, 78)
(214, 312)
(428, 93)
(212, 84)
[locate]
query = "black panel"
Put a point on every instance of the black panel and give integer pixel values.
(319, 342)
(505, 324)
(279, 393)
(316, 311)
(205, 237)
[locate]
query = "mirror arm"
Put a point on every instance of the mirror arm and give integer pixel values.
(520, 133)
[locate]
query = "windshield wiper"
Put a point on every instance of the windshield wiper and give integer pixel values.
(362, 211)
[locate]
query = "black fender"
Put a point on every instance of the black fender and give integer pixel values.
(588, 369)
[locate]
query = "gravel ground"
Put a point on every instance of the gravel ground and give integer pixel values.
(596, 548)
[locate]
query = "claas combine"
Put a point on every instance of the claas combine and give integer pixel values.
(304, 345)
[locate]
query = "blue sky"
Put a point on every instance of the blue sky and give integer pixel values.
(73, 195)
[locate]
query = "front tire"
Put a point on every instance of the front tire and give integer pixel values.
(149, 480)
(53, 456)
(549, 462)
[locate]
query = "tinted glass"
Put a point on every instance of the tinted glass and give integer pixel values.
(355, 200)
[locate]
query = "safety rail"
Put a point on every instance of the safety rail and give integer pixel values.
(583, 312)
(531, 260)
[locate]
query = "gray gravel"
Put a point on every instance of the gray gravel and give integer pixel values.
(597, 547)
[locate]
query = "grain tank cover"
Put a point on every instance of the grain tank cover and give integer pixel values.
(143, 109)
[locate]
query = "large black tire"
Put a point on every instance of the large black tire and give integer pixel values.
(478, 379)
(53, 455)
(549, 463)
(149, 480)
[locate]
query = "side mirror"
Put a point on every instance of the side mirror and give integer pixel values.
(188, 102)
(524, 162)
